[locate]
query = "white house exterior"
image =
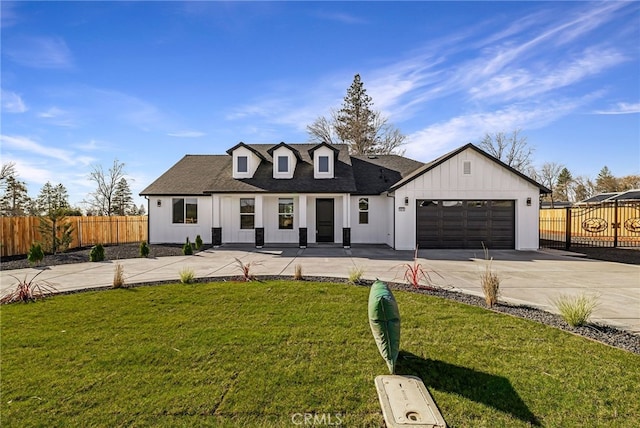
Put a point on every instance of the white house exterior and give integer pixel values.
(312, 194)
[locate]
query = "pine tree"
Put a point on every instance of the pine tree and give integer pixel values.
(14, 200)
(51, 199)
(606, 182)
(564, 186)
(365, 130)
(122, 199)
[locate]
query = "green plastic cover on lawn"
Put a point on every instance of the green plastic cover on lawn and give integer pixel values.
(384, 319)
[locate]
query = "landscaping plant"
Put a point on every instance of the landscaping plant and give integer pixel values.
(245, 269)
(97, 253)
(28, 291)
(35, 254)
(575, 310)
(144, 249)
(56, 231)
(414, 273)
(355, 274)
(198, 242)
(187, 248)
(297, 273)
(187, 275)
(490, 281)
(118, 276)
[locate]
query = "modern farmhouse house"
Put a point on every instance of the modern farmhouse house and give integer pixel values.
(317, 193)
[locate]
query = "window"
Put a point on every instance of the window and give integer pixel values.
(247, 213)
(242, 164)
(185, 210)
(323, 163)
(285, 213)
(283, 164)
(363, 210)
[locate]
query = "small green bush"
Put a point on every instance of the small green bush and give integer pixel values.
(97, 253)
(187, 248)
(576, 310)
(144, 249)
(35, 254)
(198, 242)
(187, 275)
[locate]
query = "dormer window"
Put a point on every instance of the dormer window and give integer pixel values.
(283, 164)
(323, 163)
(242, 164)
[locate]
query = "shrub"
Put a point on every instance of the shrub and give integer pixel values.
(198, 242)
(297, 272)
(575, 310)
(97, 253)
(118, 276)
(187, 275)
(490, 281)
(35, 254)
(28, 291)
(414, 273)
(355, 274)
(144, 249)
(56, 231)
(187, 248)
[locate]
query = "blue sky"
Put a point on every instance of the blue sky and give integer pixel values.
(84, 83)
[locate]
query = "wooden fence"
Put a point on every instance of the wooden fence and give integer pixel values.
(608, 224)
(18, 233)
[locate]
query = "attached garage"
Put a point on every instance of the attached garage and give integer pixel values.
(465, 224)
(464, 199)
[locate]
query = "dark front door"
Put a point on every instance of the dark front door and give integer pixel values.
(324, 220)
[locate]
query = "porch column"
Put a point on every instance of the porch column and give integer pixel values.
(302, 221)
(259, 222)
(216, 229)
(346, 221)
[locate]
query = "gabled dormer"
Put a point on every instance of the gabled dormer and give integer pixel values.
(245, 160)
(324, 158)
(285, 159)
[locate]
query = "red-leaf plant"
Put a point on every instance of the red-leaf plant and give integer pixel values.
(414, 273)
(28, 291)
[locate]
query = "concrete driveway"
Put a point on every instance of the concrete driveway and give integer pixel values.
(532, 278)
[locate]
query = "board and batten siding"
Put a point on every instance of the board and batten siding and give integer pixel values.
(379, 229)
(487, 181)
(162, 230)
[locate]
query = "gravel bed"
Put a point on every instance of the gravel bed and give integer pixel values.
(600, 333)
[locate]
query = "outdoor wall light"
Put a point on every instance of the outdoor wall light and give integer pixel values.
(406, 200)
(528, 202)
(159, 203)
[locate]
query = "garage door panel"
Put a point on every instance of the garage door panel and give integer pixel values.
(465, 224)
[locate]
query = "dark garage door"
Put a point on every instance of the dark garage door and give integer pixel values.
(465, 224)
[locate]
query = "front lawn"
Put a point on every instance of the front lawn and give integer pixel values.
(267, 354)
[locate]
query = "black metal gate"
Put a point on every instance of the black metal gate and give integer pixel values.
(606, 224)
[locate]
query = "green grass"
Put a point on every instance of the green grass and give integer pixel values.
(255, 354)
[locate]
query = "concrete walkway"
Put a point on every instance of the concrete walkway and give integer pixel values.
(533, 278)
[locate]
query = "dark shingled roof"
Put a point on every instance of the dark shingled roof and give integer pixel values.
(599, 197)
(206, 174)
(629, 195)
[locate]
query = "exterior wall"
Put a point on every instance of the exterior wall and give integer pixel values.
(162, 230)
(487, 180)
(380, 227)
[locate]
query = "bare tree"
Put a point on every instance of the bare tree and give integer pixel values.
(583, 188)
(548, 176)
(101, 201)
(511, 149)
(8, 170)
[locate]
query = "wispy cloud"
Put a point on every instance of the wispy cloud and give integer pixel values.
(345, 18)
(39, 52)
(12, 102)
(24, 144)
(621, 108)
(187, 134)
(58, 117)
